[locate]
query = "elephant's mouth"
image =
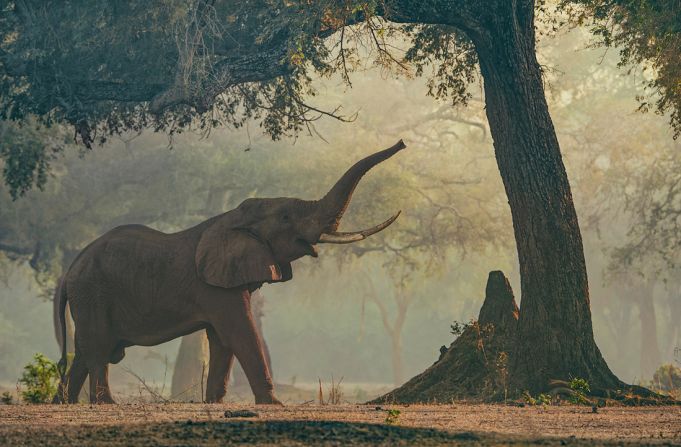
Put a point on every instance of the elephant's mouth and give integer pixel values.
(308, 248)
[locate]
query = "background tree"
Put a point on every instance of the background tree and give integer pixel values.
(612, 162)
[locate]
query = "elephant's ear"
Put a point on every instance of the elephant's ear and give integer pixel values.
(234, 258)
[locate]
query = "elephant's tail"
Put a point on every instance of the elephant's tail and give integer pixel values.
(60, 324)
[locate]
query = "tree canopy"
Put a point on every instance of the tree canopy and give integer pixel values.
(107, 68)
(220, 61)
(647, 34)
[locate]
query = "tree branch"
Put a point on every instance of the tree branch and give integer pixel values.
(16, 250)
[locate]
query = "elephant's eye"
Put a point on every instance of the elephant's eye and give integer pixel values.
(285, 218)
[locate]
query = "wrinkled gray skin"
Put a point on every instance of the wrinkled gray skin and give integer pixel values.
(138, 286)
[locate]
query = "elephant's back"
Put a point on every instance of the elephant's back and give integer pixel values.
(131, 268)
(124, 249)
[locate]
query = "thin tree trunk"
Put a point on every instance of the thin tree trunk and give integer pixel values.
(397, 361)
(394, 330)
(650, 349)
(620, 318)
(674, 321)
(403, 301)
(555, 334)
(191, 368)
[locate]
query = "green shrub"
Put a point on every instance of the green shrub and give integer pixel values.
(542, 399)
(40, 379)
(458, 327)
(7, 398)
(393, 417)
(527, 397)
(581, 388)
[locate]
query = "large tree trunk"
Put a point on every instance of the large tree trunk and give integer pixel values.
(555, 335)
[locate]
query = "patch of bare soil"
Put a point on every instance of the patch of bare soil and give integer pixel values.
(458, 424)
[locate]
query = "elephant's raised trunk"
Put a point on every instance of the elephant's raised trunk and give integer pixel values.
(336, 201)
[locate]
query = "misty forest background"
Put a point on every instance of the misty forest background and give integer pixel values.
(375, 312)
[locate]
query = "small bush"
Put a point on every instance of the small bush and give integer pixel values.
(393, 417)
(458, 327)
(40, 379)
(667, 378)
(581, 388)
(541, 399)
(544, 399)
(527, 397)
(7, 398)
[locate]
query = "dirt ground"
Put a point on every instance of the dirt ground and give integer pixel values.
(301, 424)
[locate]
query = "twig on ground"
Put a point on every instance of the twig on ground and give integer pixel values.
(152, 392)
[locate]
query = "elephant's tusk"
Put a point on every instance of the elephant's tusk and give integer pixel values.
(337, 237)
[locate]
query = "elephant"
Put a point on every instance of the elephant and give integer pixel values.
(138, 286)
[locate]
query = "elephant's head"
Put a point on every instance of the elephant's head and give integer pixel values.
(258, 240)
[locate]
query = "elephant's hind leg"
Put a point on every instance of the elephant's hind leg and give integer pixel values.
(221, 361)
(75, 378)
(100, 393)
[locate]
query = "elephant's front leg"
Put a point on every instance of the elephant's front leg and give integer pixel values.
(238, 331)
(221, 360)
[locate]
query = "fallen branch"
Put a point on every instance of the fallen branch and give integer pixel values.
(153, 393)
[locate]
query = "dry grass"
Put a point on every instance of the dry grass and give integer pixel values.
(61, 425)
(335, 393)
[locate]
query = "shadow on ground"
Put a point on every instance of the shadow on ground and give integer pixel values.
(289, 433)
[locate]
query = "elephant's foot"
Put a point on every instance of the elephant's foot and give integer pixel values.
(108, 401)
(101, 396)
(215, 393)
(100, 393)
(268, 399)
(214, 400)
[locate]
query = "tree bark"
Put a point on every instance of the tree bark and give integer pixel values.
(555, 334)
